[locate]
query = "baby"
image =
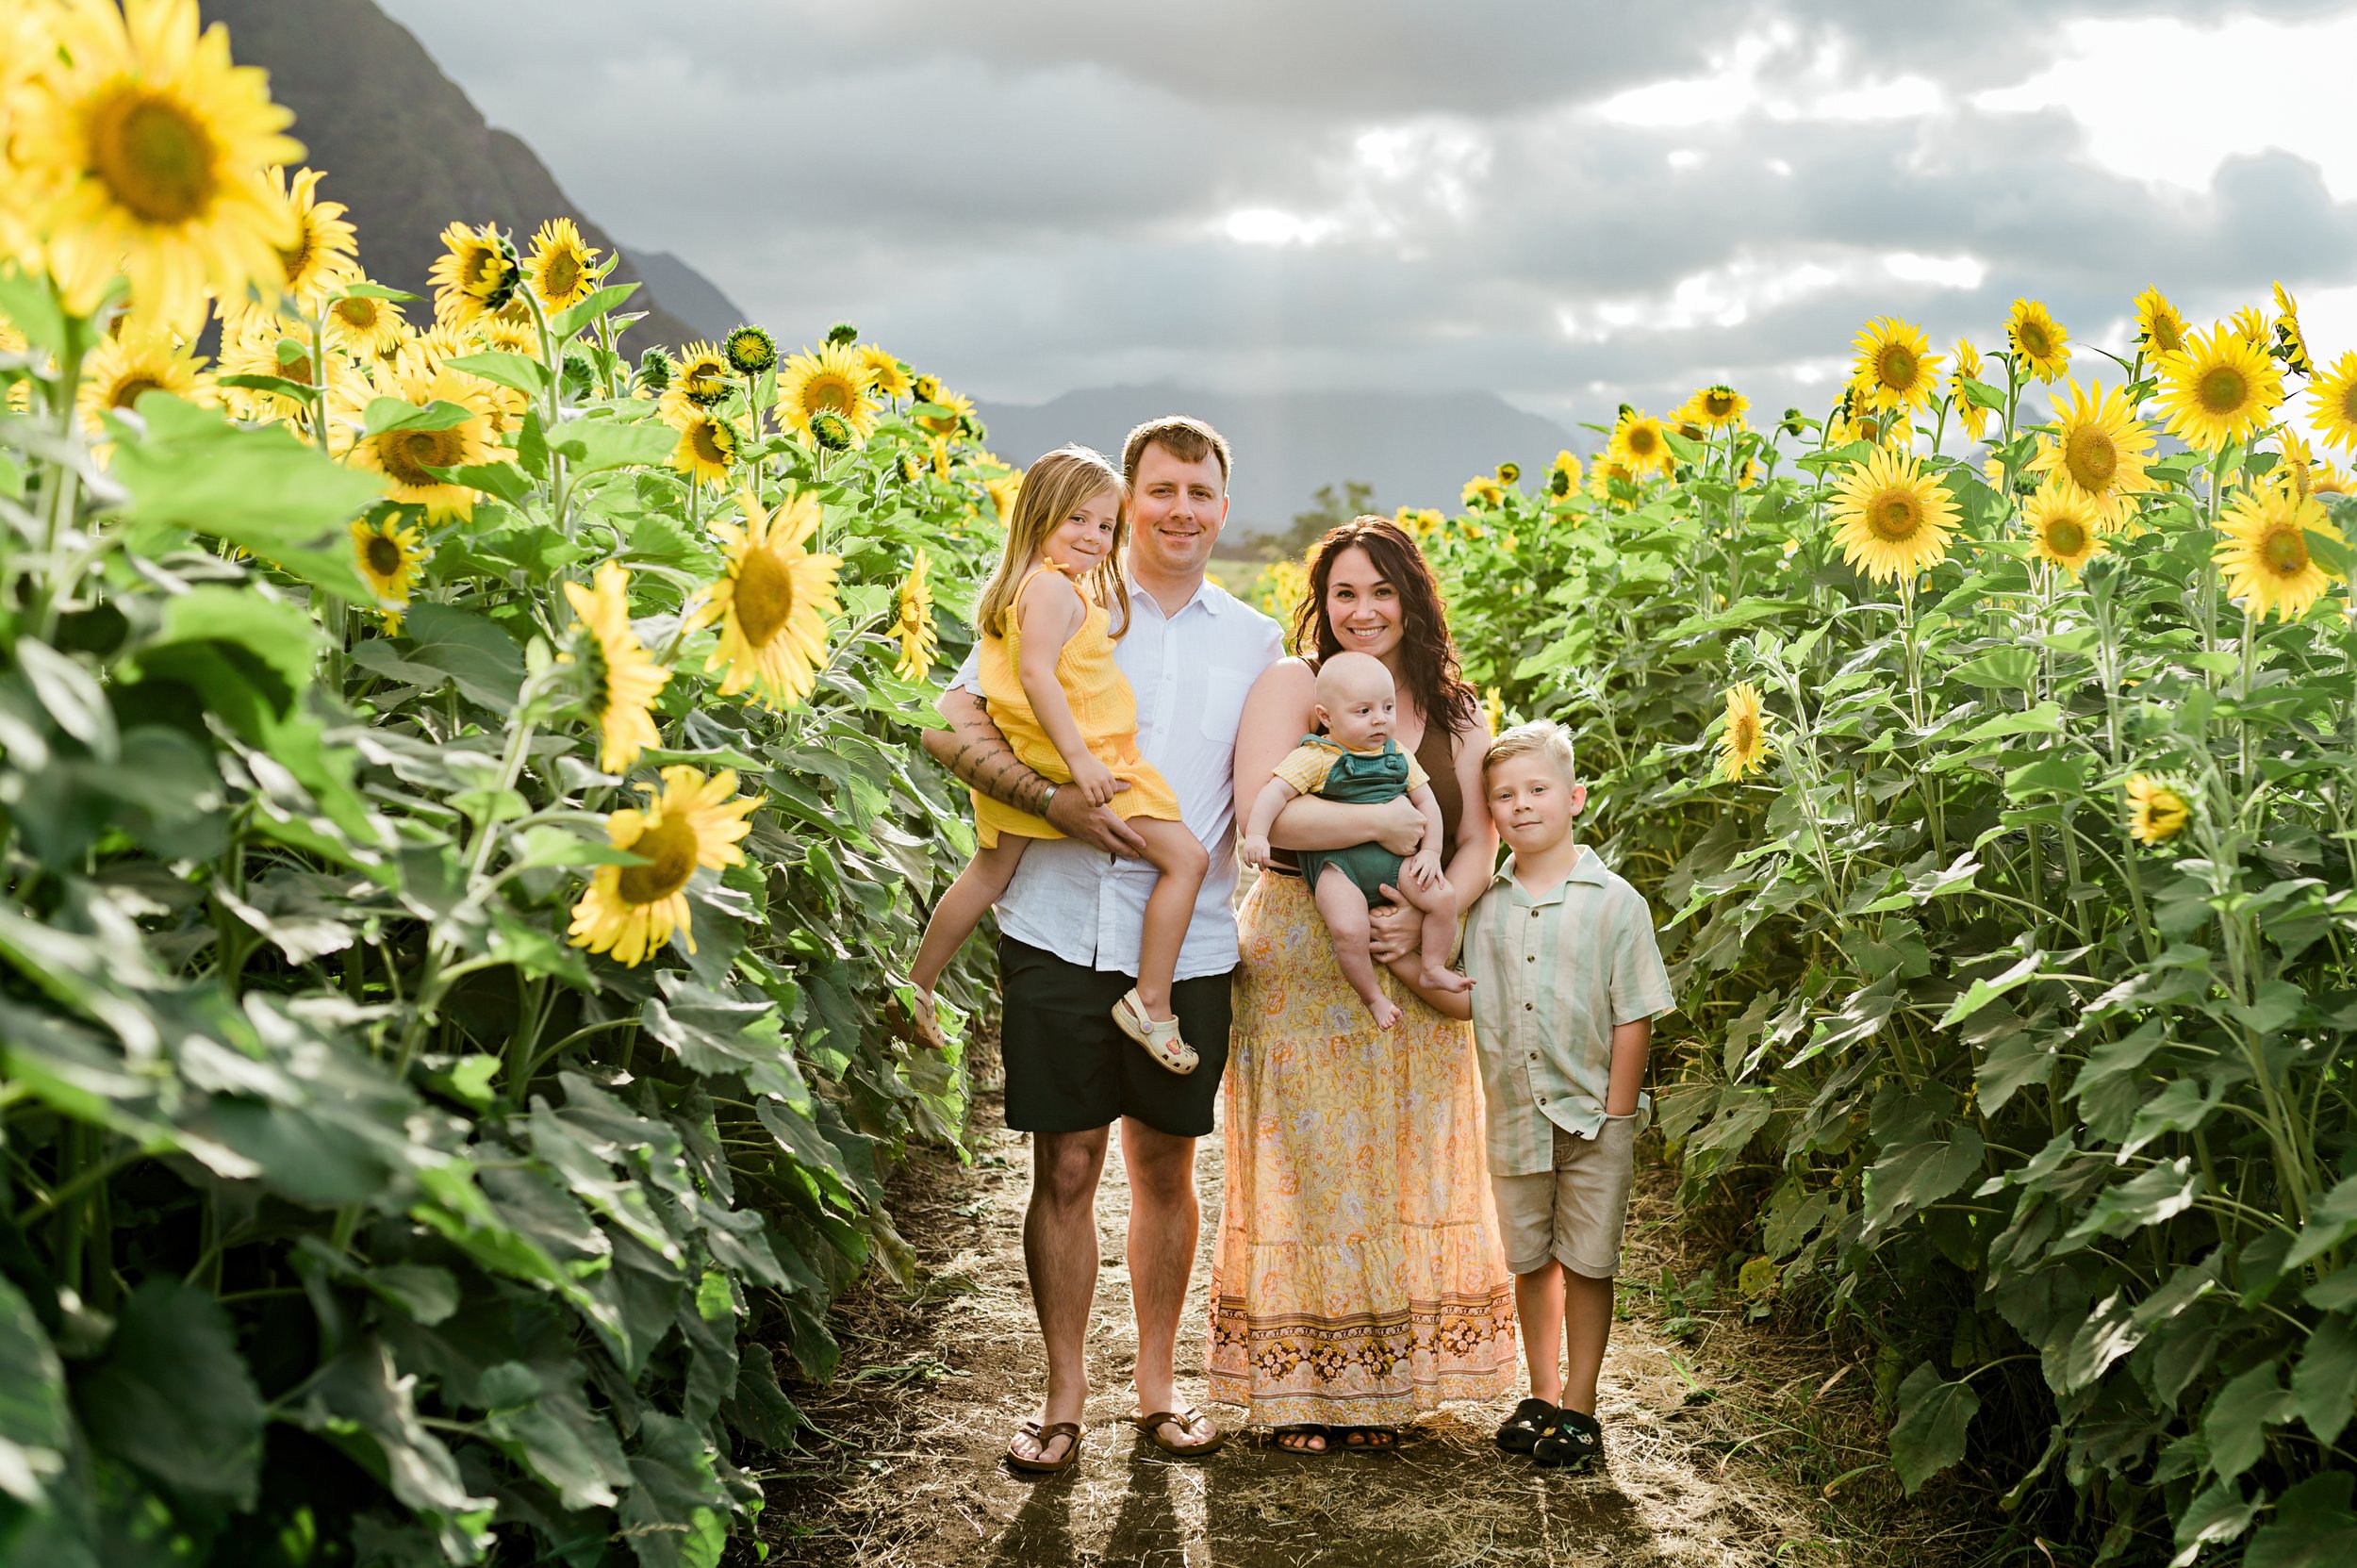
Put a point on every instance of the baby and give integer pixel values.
(1357, 761)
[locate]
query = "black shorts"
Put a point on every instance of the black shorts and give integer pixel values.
(1070, 1068)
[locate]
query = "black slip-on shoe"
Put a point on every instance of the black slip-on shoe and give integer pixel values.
(1520, 1431)
(1570, 1442)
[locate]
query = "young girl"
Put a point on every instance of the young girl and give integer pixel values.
(1052, 685)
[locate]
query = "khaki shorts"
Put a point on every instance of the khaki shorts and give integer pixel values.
(1574, 1213)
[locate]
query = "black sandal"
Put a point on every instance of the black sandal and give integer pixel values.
(1370, 1440)
(1573, 1441)
(1520, 1431)
(1304, 1430)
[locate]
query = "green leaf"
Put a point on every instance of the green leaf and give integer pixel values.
(2161, 1191)
(2012, 667)
(593, 445)
(375, 291)
(1982, 393)
(1928, 1436)
(480, 659)
(1911, 1178)
(36, 1429)
(362, 1405)
(545, 1421)
(2239, 1414)
(71, 696)
(574, 316)
(260, 489)
(525, 375)
(278, 633)
(2314, 1527)
(2324, 1383)
(2043, 719)
(173, 1397)
(386, 415)
(2332, 1220)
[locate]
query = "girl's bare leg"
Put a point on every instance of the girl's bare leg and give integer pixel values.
(962, 908)
(1175, 852)
(1345, 910)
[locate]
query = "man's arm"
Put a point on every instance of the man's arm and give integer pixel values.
(973, 748)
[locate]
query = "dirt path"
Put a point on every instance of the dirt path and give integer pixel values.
(1722, 1435)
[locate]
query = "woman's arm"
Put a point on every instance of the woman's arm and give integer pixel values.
(1277, 713)
(1392, 938)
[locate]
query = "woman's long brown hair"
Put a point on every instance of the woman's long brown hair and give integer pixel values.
(1428, 655)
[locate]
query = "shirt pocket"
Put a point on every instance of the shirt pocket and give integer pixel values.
(1223, 705)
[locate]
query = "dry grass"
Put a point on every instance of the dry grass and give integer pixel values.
(1723, 1434)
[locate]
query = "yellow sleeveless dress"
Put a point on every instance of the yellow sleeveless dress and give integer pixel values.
(1103, 706)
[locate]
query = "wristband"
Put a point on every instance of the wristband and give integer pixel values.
(1047, 799)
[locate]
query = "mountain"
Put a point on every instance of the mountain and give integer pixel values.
(1416, 449)
(406, 149)
(688, 295)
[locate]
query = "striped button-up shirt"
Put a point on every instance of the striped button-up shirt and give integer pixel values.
(1190, 671)
(1554, 973)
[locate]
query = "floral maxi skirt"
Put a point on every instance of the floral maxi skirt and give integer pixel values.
(1357, 1279)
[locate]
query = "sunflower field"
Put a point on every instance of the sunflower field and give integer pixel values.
(459, 834)
(2001, 814)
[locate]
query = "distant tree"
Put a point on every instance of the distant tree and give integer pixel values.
(1335, 507)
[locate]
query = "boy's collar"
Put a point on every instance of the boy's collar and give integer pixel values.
(1586, 867)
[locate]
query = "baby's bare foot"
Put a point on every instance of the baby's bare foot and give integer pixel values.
(1438, 979)
(1386, 1012)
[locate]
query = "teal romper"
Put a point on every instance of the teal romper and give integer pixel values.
(1356, 779)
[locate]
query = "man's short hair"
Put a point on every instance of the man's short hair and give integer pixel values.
(1542, 737)
(1182, 436)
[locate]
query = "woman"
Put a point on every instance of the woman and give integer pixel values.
(1358, 1277)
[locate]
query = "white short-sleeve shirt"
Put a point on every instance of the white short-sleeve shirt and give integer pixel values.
(1190, 671)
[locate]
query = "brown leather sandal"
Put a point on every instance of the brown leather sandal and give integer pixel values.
(1186, 1421)
(1045, 1436)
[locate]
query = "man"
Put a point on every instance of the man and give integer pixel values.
(1069, 926)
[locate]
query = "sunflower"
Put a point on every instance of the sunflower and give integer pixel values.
(407, 459)
(1493, 711)
(1713, 407)
(1563, 475)
(2039, 340)
(1419, 521)
(656, 369)
(561, 267)
(262, 345)
(475, 277)
(1510, 475)
(628, 679)
(1894, 368)
(2251, 325)
(2297, 471)
(957, 408)
(749, 350)
(2333, 414)
(831, 432)
(324, 255)
(2157, 812)
(2265, 552)
(363, 326)
(708, 447)
(388, 556)
(702, 375)
(1004, 491)
(914, 626)
(1970, 414)
(1608, 471)
(120, 369)
(1640, 444)
(1744, 741)
(775, 601)
(135, 145)
(2159, 326)
(510, 329)
(1892, 519)
(2100, 449)
(631, 911)
(1482, 490)
(832, 380)
(886, 376)
(2066, 526)
(2287, 333)
(2219, 389)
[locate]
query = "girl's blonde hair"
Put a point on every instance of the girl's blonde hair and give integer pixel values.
(1053, 488)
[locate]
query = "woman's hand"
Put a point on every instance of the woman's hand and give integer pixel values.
(1394, 930)
(1400, 827)
(1094, 780)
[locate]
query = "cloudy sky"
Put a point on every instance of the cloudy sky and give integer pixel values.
(1568, 203)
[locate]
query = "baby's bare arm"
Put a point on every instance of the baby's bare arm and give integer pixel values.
(1266, 807)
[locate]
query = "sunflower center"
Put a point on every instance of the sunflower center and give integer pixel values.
(2222, 390)
(2348, 401)
(153, 157)
(560, 274)
(1897, 367)
(2091, 458)
(830, 395)
(1720, 405)
(2166, 336)
(2064, 538)
(764, 596)
(1641, 441)
(670, 846)
(2285, 551)
(2034, 342)
(483, 271)
(709, 444)
(297, 256)
(297, 370)
(383, 556)
(127, 390)
(1745, 731)
(1895, 514)
(411, 456)
(357, 311)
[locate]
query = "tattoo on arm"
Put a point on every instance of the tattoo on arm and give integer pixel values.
(978, 755)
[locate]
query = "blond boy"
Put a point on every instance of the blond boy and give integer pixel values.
(1567, 978)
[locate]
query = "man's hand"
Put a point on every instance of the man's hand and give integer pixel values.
(1394, 930)
(1400, 829)
(1071, 815)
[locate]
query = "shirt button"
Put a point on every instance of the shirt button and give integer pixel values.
(1529, 1006)
(1534, 915)
(1531, 958)
(1534, 1056)
(1543, 1099)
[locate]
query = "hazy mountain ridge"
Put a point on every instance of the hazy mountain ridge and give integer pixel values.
(1417, 449)
(406, 149)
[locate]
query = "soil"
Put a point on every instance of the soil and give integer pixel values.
(1729, 1441)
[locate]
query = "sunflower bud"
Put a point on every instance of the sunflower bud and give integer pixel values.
(1559, 482)
(831, 430)
(1793, 420)
(928, 388)
(842, 333)
(581, 377)
(750, 350)
(656, 368)
(1509, 474)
